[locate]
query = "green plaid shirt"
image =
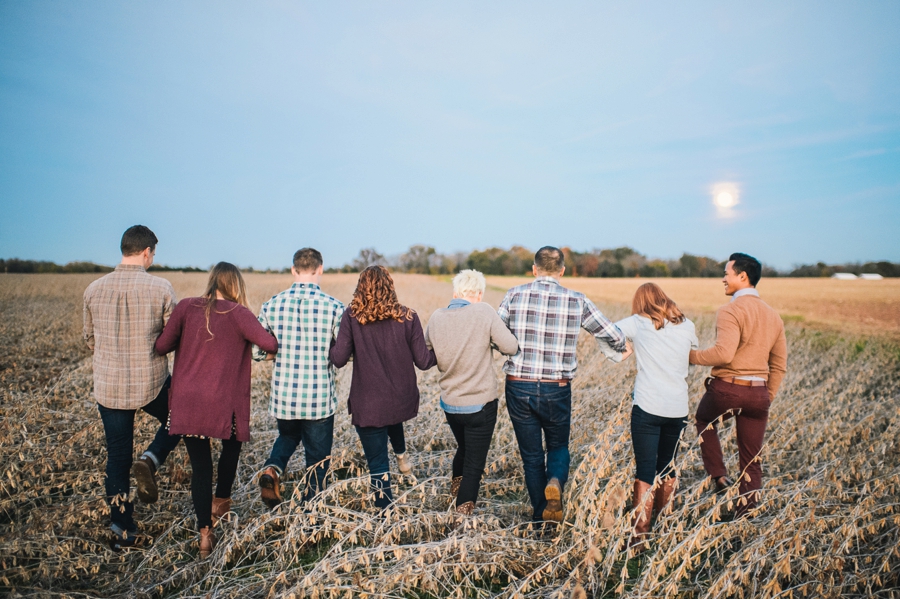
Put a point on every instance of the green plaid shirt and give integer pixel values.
(305, 321)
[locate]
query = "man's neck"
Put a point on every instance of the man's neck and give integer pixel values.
(137, 260)
(308, 279)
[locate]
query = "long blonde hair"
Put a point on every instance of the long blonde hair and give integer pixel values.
(651, 301)
(225, 278)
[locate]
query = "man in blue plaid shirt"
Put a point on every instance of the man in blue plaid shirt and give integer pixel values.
(546, 318)
(305, 320)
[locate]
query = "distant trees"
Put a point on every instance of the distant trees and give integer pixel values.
(15, 265)
(820, 269)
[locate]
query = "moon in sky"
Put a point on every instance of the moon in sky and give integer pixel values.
(725, 199)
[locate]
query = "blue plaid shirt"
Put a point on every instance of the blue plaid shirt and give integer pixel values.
(305, 321)
(546, 317)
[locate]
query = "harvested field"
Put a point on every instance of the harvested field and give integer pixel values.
(828, 525)
(861, 307)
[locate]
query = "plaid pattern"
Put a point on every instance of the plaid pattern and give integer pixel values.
(545, 317)
(124, 312)
(305, 321)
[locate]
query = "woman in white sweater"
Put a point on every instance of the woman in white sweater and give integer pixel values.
(662, 338)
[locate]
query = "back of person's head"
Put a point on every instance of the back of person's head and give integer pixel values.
(651, 301)
(549, 260)
(746, 264)
(307, 260)
(376, 299)
(468, 283)
(225, 278)
(136, 239)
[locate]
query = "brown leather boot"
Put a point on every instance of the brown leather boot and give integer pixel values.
(454, 485)
(270, 487)
(553, 494)
(663, 495)
(220, 507)
(642, 501)
(207, 541)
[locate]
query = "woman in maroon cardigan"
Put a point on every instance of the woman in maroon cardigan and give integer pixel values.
(386, 341)
(210, 393)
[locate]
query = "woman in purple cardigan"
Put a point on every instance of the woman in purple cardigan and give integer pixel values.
(386, 341)
(210, 393)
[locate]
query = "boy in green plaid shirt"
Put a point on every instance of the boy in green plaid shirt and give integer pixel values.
(305, 321)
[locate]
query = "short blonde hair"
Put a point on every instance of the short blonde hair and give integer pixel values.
(468, 282)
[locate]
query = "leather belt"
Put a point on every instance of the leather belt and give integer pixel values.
(741, 382)
(560, 382)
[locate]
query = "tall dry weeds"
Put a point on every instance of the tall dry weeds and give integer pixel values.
(827, 525)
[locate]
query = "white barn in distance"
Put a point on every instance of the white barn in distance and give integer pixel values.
(844, 276)
(871, 276)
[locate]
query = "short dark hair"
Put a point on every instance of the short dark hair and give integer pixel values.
(748, 264)
(307, 260)
(136, 239)
(549, 259)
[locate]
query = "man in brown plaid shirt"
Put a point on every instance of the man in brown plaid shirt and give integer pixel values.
(124, 312)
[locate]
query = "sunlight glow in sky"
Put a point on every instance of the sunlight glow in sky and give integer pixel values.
(243, 131)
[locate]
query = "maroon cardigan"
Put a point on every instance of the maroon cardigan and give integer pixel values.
(211, 376)
(383, 389)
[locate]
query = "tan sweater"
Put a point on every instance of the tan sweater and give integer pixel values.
(749, 342)
(462, 339)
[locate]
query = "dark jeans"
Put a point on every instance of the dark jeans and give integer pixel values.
(536, 409)
(317, 437)
(750, 408)
(201, 474)
(655, 441)
(473, 434)
(118, 425)
(374, 440)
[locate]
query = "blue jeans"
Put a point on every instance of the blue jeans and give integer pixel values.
(655, 441)
(536, 408)
(118, 425)
(374, 440)
(317, 437)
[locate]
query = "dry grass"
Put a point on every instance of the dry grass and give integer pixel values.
(827, 526)
(866, 307)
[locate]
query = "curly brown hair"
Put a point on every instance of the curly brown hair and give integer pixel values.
(375, 298)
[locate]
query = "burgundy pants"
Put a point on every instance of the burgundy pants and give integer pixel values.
(749, 406)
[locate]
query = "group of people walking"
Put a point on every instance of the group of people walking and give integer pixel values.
(132, 321)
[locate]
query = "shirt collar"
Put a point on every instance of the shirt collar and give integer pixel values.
(458, 303)
(549, 280)
(748, 291)
(132, 267)
(302, 285)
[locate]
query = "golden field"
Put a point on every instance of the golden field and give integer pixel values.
(828, 525)
(866, 307)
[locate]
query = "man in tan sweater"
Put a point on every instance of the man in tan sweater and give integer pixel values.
(749, 360)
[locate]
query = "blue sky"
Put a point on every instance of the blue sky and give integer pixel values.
(243, 131)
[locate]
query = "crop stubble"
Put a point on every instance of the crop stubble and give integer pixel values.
(828, 525)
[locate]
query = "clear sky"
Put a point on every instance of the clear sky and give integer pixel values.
(243, 131)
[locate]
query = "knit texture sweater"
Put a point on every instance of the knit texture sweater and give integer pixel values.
(462, 339)
(749, 342)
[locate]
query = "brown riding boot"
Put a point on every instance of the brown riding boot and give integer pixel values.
(663, 495)
(270, 487)
(642, 501)
(220, 507)
(454, 485)
(207, 541)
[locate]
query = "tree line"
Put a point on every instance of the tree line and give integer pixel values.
(517, 260)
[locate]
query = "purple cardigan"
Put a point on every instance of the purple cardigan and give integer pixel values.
(211, 376)
(383, 389)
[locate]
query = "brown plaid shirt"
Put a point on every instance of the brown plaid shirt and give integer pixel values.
(124, 312)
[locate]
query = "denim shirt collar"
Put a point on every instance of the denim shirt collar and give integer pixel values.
(458, 303)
